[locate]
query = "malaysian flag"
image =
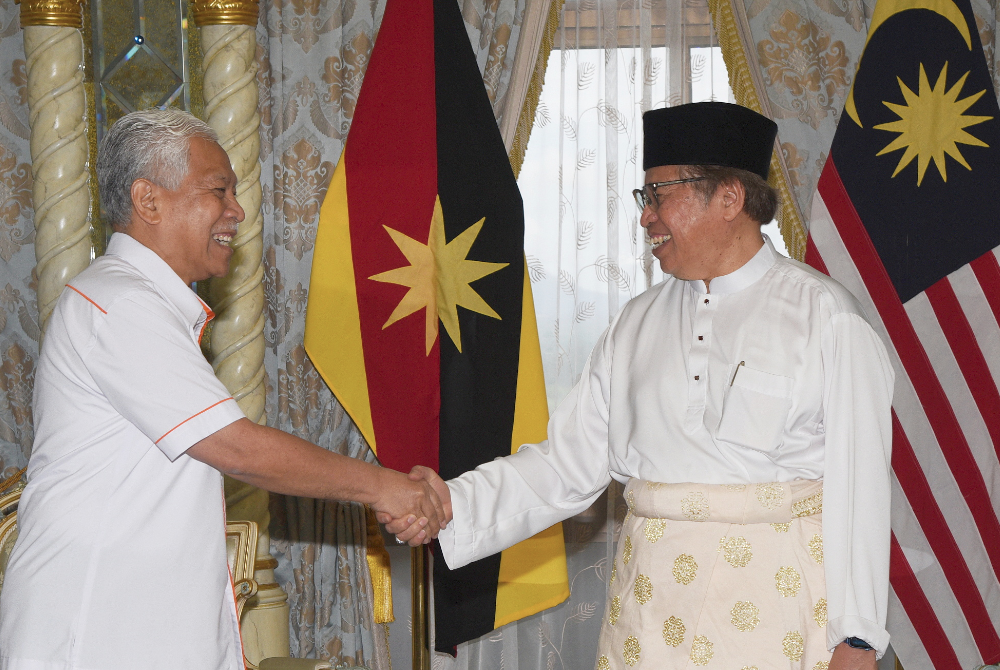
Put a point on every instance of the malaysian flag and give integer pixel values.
(905, 216)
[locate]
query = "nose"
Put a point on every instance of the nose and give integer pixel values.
(236, 209)
(648, 217)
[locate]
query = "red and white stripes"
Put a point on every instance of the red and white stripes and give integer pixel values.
(944, 608)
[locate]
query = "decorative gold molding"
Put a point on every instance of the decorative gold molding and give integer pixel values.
(12, 480)
(526, 120)
(269, 563)
(225, 12)
(59, 13)
(741, 80)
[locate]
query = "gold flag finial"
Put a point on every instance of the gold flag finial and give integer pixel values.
(60, 13)
(225, 12)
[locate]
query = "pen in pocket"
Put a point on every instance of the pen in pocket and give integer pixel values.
(742, 363)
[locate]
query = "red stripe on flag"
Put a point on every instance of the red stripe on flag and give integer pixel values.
(936, 531)
(919, 610)
(391, 163)
(987, 271)
(813, 257)
(914, 358)
(970, 358)
(942, 542)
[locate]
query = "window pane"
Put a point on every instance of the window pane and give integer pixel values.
(709, 78)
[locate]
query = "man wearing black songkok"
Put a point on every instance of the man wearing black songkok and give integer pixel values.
(745, 403)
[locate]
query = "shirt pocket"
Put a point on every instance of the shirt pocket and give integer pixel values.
(755, 409)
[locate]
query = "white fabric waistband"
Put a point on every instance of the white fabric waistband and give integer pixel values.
(772, 502)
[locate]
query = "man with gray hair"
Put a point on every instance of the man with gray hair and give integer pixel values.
(121, 559)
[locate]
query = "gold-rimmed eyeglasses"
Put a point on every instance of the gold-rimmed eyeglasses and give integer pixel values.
(647, 196)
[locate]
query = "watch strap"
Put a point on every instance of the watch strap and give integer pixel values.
(858, 643)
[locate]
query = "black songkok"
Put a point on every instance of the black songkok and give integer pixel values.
(708, 133)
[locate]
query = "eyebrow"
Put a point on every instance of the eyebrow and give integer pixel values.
(219, 178)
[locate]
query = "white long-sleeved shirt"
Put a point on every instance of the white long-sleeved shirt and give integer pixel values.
(773, 375)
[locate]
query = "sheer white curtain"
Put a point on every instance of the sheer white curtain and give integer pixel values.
(587, 255)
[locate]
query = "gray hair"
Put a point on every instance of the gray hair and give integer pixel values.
(150, 144)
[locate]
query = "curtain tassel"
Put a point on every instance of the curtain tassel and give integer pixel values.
(378, 565)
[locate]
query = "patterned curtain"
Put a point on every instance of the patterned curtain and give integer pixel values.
(312, 56)
(19, 332)
(805, 53)
(611, 60)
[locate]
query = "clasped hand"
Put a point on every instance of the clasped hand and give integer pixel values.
(414, 507)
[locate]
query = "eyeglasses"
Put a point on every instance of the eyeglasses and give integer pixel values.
(647, 196)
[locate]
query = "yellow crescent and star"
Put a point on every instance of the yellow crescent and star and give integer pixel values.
(932, 123)
(439, 275)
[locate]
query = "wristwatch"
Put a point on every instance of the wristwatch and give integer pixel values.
(858, 643)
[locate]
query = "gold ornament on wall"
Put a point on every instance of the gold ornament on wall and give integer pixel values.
(225, 12)
(59, 13)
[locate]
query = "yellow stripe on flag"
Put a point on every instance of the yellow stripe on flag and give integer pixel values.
(527, 585)
(333, 325)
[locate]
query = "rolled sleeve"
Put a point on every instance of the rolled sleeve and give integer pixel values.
(151, 370)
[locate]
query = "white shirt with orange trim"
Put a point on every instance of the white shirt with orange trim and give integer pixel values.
(120, 560)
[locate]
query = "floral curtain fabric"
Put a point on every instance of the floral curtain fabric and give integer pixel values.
(312, 56)
(19, 332)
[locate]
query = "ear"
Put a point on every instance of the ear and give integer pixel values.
(733, 198)
(145, 202)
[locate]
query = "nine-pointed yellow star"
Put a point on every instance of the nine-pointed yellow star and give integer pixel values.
(931, 124)
(438, 276)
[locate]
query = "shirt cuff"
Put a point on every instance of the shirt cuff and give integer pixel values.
(457, 545)
(841, 628)
(198, 426)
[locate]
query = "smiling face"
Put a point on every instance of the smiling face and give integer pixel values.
(694, 240)
(198, 220)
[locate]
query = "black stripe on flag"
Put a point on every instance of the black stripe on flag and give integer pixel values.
(478, 385)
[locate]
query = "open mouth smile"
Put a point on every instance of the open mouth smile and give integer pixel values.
(225, 239)
(657, 240)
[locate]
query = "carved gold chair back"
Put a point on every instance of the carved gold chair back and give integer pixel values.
(8, 528)
(241, 549)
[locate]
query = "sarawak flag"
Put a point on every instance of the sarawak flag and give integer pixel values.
(906, 217)
(420, 316)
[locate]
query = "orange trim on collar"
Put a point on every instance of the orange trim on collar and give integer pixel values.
(210, 315)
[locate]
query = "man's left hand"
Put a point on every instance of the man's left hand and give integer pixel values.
(846, 657)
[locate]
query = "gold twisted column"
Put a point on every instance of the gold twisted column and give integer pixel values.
(57, 106)
(237, 342)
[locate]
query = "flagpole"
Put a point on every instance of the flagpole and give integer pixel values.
(418, 580)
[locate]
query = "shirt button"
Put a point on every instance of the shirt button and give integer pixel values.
(706, 301)
(696, 377)
(701, 337)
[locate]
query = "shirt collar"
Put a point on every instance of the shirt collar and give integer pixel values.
(145, 260)
(740, 279)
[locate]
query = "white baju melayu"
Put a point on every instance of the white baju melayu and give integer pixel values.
(120, 561)
(773, 376)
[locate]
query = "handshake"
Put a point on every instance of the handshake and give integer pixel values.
(414, 507)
